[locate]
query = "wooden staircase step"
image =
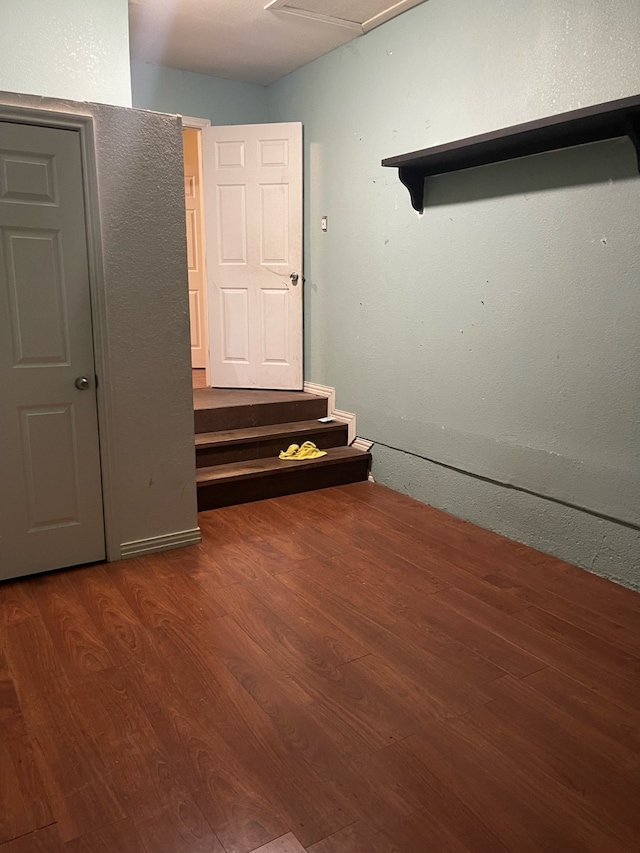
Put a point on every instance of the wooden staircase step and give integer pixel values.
(217, 409)
(236, 445)
(257, 479)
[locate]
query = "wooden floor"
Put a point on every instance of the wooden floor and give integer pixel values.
(343, 671)
(198, 378)
(224, 398)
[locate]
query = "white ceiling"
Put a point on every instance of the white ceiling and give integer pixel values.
(240, 40)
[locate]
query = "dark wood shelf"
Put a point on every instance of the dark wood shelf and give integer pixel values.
(590, 124)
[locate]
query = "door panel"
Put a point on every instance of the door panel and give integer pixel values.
(235, 325)
(274, 224)
(275, 327)
(195, 249)
(50, 497)
(41, 428)
(252, 177)
(36, 297)
(232, 225)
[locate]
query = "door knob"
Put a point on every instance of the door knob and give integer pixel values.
(82, 383)
(294, 278)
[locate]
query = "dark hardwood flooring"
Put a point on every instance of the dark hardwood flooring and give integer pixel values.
(341, 671)
(217, 409)
(224, 398)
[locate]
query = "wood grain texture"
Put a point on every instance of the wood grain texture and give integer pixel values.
(286, 844)
(24, 805)
(219, 448)
(80, 792)
(341, 671)
(118, 838)
(267, 477)
(45, 840)
(120, 628)
(218, 409)
(80, 649)
(16, 603)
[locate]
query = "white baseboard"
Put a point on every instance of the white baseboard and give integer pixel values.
(160, 543)
(366, 445)
(347, 418)
(322, 391)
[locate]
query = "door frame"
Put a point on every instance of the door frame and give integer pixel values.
(198, 124)
(84, 126)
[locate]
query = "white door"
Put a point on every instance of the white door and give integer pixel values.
(50, 489)
(195, 249)
(252, 176)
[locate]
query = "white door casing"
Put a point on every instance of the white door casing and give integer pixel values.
(195, 250)
(51, 512)
(195, 265)
(252, 180)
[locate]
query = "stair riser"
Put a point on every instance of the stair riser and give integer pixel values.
(287, 482)
(267, 447)
(263, 414)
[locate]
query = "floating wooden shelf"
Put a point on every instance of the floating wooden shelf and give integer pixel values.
(591, 124)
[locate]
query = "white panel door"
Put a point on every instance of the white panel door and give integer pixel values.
(50, 487)
(252, 176)
(195, 256)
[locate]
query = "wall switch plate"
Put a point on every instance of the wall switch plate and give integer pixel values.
(323, 223)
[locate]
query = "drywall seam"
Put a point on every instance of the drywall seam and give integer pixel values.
(603, 547)
(508, 485)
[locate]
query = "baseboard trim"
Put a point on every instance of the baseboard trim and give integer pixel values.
(160, 543)
(366, 445)
(322, 391)
(347, 418)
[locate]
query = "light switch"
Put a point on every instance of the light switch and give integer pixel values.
(323, 223)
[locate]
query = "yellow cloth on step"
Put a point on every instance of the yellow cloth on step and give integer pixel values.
(308, 450)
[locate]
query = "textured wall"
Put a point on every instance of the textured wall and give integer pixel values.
(221, 101)
(75, 49)
(141, 189)
(498, 332)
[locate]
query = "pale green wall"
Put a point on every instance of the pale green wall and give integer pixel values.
(170, 90)
(498, 332)
(76, 49)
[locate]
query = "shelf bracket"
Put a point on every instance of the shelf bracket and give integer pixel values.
(632, 126)
(414, 181)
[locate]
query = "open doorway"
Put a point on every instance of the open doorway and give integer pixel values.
(243, 194)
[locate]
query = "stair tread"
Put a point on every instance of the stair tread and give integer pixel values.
(236, 436)
(264, 467)
(225, 398)
(246, 409)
